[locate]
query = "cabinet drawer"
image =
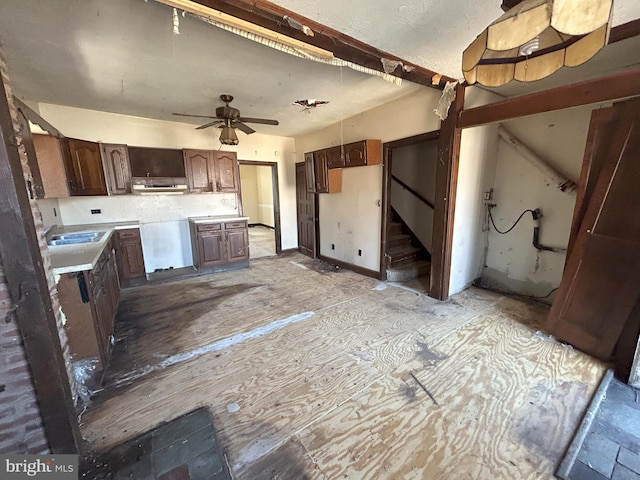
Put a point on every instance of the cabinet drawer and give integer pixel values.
(205, 227)
(129, 233)
(230, 225)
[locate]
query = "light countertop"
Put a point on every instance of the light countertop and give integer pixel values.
(217, 219)
(82, 256)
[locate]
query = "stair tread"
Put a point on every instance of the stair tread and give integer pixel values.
(408, 265)
(394, 252)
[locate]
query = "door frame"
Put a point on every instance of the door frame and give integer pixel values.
(276, 196)
(388, 148)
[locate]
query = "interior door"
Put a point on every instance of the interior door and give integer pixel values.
(601, 282)
(306, 207)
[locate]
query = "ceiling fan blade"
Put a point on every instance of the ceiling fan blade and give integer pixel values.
(210, 124)
(263, 121)
(189, 115)
(242, 127)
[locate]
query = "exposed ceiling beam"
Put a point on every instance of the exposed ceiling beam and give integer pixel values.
(33, 117)
(270, 16)
(603, 89)
(624, 31)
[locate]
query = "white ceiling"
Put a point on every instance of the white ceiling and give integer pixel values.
(121, 56)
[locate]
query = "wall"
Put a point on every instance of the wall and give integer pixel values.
(512, 262)
(114, 128)
(478, 152)
(415, 165)
(257, 194)
(265, 196)
(352, 219)
(249, 183)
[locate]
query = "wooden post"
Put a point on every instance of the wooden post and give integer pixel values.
(26, 278)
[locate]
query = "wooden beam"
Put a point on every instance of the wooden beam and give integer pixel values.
(624, 31)
(270, 16)
(34, 117)
(445, 202)
(603, 89)
(22, 262)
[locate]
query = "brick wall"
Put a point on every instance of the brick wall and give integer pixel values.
(21, 429)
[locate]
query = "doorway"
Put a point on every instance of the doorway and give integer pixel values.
(306, 213)
(409, 208)
(260, 202)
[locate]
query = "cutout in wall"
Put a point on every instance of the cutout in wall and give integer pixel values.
(95, 211)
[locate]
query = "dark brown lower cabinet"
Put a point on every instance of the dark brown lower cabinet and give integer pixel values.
(130, 259)
(104, 286)
(219, 245)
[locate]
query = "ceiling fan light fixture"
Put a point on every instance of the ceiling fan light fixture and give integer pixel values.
(228, 135)
(535, 39)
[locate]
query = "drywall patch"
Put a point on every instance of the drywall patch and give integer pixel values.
(497, 280)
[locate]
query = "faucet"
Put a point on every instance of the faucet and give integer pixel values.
(48, 229)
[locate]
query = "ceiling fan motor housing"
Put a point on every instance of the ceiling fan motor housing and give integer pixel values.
(227, 112)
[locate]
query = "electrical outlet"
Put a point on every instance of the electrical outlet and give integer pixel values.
(359, 253)
(333, 246)
(488, 195)
(95, 211)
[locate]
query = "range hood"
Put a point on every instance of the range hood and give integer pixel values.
(157, 188)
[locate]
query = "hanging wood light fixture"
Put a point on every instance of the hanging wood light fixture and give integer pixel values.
(536, 38)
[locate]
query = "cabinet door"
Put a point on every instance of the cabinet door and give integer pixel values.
(117, 168)
(321, 171)
(237, 245)
(52, 170)
(355, 154)
(87, 168)
(226, 172)
(198, 165)
(210, 248)
(335, 159)
(132, 260)
(310, 172)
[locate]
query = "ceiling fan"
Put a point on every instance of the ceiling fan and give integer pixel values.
(228, 119)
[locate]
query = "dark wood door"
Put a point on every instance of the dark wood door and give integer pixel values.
(118, 170)
(86, 163)
(237, 245)
(601, 282)
(198, 165)
(210, 248)
(226, 172)
(306, 208)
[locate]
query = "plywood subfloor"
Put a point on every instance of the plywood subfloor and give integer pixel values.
(330, 391)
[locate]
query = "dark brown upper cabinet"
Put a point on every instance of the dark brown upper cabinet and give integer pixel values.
(211, 171)
(50, 161)
(321, 171)
(198, 166)
(226, 172)
(310, 173)
(364, 152)
(83, 163)
(117, 168)
(335, 158)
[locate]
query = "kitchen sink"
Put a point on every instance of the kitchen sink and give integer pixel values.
(74, 238)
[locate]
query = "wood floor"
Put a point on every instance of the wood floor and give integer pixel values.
(312, 372)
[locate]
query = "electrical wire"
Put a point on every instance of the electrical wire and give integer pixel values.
(512, 226)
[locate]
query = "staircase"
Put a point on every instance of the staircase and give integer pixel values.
(406, 257)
